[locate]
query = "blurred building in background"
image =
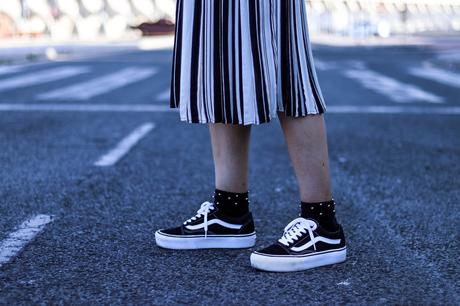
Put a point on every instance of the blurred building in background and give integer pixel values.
(384, 18)
(121, 19)
(80, 19)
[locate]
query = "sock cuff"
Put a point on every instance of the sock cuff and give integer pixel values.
(317, 208)
(232, 204)
(331, 202)
(219, 192)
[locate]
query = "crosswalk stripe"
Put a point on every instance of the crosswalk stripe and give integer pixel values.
(100, 85)
(391, 88)
(41, 77)
(163, 96)
(438, 75)
(323, 65)
(18, 239)
(10, 69)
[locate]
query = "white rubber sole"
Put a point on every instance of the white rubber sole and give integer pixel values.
(200, 242)
(297, 263)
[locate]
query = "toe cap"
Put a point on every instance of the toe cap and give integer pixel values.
(171, 231)
(274, 249)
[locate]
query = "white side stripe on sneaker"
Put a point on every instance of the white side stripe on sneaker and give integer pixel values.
(214, 221)
(315, 240)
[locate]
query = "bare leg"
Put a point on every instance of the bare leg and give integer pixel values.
(307, 144)
(230, 149)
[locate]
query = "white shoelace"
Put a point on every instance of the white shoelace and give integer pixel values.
(296, 228)
(204, 210)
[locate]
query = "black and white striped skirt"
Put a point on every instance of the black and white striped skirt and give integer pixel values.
(242, 61)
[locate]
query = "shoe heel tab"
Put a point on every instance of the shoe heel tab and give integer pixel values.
(248, 227)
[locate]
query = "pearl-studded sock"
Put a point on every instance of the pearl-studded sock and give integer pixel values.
(323, 212)
(232, 204)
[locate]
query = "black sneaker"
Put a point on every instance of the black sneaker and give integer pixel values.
(304, 245)
(209, 229)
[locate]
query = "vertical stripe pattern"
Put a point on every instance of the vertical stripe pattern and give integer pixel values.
(242, 61)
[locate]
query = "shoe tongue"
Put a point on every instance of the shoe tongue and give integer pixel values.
(298, 221)
(294, 223)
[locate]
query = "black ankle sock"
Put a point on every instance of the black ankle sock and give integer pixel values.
(323, 212)
(232, 204)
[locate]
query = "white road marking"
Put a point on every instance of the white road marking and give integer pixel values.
(25, 233)
(101, 85)
(129, 108)
(41, 77)
(147, 108)
(355, 64)
(124, 146)
(10, 69)
(438, 75)
(453, 56)
(344, 283)
(163, 96)
(411, 110)
(391, 88)
(324, 66)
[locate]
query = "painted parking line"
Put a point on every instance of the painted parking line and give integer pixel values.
(148, 108)
(436, 74)
(391, 88)
(101, 85)
(41, 77)
(25, 233)
(124, 146)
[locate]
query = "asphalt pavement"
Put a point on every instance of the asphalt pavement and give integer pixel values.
(393, 126)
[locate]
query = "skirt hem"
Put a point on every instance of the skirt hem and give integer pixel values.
(269, 119)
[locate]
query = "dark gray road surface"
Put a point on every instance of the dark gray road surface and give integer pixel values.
(396, 181)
